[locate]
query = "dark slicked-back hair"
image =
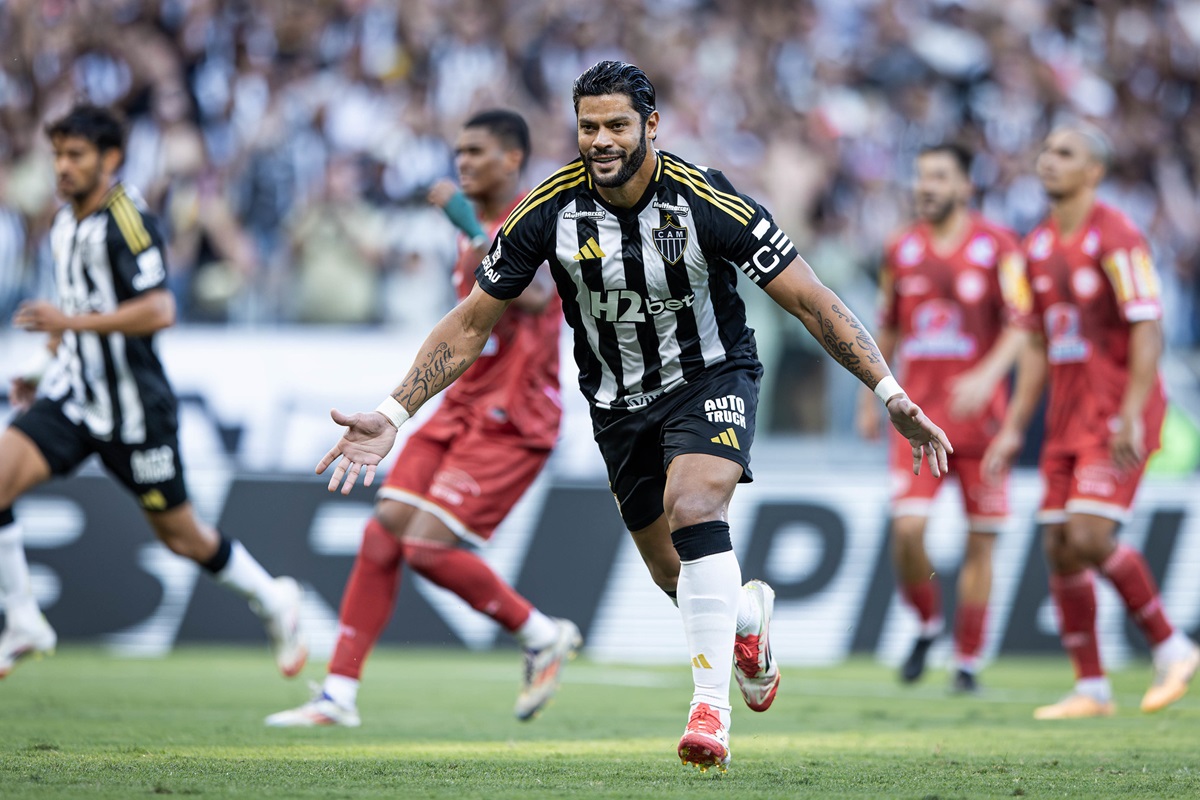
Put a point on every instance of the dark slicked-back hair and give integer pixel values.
(509, 128)
(616, 77)
(101, 126)
(960, 153)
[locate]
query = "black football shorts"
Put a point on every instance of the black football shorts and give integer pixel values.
(151, 470)
(713, 415)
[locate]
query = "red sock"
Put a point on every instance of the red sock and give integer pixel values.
(925, 597)
(469, 577)
(1075, 596)
(367, 601)
(1127, 571)
(969, 623)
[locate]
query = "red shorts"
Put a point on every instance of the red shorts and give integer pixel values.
(986, 504)
(466, 475)
(1087, 482)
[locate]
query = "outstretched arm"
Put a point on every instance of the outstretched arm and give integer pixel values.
(452, 346)
(798, 290)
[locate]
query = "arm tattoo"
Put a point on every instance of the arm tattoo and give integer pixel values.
(855, 355)
(427, 379)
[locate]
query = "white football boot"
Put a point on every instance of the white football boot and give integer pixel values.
(320, 711)
(543, 669)
(283, 626)
(24, 638)
(757, 673)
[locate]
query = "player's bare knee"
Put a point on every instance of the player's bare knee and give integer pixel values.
(1089, 539)
(693, 508)
(909, 531)
(394, 516)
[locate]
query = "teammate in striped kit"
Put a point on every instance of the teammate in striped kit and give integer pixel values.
(106, 392)
(645, 249)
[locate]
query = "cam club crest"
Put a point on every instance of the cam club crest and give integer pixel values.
(670, 240)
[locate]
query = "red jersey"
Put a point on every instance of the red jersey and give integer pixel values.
(948, 310)
(1088, 289)
(515, 378)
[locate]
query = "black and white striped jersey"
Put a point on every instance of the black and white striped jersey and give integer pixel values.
(650, 291)
(110, 382)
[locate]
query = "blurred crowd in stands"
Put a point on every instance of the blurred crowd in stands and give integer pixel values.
(287, 145)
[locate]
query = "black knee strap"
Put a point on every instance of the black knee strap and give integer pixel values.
(6, 517)
(704, 539)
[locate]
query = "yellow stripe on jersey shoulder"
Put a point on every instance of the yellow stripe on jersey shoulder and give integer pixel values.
(571, 175)
(741, 212)
(129, 221)
(730, 198)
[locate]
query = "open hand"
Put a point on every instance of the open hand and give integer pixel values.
(927, 440)
(368, 438)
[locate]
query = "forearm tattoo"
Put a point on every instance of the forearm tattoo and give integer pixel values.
(854, 348)
(425, 380)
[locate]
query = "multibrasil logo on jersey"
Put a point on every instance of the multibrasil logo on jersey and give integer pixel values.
(670, 241)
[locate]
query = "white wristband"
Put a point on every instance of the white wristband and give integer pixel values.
(888, 388)
(391, 408)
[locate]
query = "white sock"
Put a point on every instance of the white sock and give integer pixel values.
(537, 632)
(709, 590)
(747, 613)
(16, 590)
(1095, 688)
(341, 690)
(1175, 647)
(244, 575)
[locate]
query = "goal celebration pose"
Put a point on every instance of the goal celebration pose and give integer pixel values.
(646, 249)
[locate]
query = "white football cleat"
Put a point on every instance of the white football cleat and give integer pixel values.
(757, 673)
(32, 637)
(543, 669)
(321, 710)
(705, 741)
(283, 626)
(1171, 679)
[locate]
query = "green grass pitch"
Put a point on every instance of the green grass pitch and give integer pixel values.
(438, 724)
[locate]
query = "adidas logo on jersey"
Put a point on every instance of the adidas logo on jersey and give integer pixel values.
(590, 249)
(727, 437)
(700, 662)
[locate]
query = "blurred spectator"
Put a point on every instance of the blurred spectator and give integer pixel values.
(15, 281)
(338, 248)
(814, 106)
